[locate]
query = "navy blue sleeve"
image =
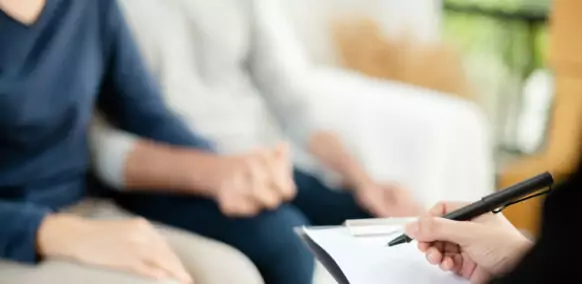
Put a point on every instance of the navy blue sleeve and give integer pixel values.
(19, 224)
(131, 97)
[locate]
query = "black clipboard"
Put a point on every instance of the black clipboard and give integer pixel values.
(324, 258)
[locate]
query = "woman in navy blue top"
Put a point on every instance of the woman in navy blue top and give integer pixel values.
(54, 67)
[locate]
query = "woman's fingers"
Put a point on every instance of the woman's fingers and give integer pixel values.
(467, 268)
(459, 263)
(440, 246)
(434, 256)
(444, 247)
(148, 271)
(445, 254)
(451, 248)
(452, 261)
(422, 246)
(447, 264)
(169, 272)
(160, 256)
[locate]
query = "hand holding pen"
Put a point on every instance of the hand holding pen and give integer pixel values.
(472, 240)
(494, 202)
(489, 245)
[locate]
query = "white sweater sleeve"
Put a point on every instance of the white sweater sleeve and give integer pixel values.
(168, 46)
(288, 81)
(110, 146)
(109, 149)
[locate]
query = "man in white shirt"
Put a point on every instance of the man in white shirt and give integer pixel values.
(235, 74)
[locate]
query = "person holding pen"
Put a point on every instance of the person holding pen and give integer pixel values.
(489, 249)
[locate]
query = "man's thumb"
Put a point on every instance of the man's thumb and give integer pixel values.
(430, 229)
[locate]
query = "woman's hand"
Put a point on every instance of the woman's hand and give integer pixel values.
(477, 250)
(133, 246)
(380, 200)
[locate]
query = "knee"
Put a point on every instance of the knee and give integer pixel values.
(241, 270)
(53, 271)
(210, 261)
(277, 250)
(224, 264)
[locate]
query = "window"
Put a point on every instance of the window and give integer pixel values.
(504, 47)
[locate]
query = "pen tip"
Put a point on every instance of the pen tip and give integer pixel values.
(399, 240)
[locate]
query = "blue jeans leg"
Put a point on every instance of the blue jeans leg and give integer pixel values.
(322, 205)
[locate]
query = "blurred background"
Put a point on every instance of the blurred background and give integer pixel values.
(504, 45)
(515, 59)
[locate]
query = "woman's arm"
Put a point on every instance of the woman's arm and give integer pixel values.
(20, 223)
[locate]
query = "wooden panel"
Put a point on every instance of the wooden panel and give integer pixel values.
(563, 149)
(560, 157)
(565, 40)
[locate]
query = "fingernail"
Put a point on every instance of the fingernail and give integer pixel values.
(432, 257)
(412, 229)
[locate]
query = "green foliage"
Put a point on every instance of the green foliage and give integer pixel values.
(506, 5)
(497, 4)
(501, 49)
(517, 45)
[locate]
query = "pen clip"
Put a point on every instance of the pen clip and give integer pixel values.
(498, 210)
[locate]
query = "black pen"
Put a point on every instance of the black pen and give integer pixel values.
(492, 202)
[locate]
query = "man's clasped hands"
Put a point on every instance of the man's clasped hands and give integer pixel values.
(263, 180)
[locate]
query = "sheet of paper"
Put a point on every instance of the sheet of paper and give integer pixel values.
(367, 260)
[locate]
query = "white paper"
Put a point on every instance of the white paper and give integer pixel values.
(368, 260)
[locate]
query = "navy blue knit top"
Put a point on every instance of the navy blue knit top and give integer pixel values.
(53, 73)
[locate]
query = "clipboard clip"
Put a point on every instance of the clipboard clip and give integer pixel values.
(375, 227)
